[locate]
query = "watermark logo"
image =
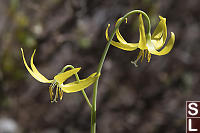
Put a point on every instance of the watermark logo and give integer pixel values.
(192, 116)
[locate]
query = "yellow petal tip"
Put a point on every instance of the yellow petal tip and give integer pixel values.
(172, 33)
(173, 36)
(126, 20)
(79, 68)
(162, 18)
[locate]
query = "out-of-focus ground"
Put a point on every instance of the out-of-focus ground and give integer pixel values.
(147, 99)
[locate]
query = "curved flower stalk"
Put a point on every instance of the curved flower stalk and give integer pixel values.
(147, 44)
(58, 80)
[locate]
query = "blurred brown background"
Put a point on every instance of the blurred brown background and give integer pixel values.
(147, 99)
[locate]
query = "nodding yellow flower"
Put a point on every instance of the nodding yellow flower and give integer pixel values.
(147, 44)
(58, 80)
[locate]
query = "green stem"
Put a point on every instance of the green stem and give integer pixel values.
(87, 100)
(78, 79)
(94, 99)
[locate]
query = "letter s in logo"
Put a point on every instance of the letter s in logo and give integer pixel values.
(193, 107)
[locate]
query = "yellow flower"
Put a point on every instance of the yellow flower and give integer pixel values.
(147, 44)
(59, 79)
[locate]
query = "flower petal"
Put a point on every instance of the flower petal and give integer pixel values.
(158, 44)
(119, 36)
(60, 78)
(160, 33)
(37, 73)
(142, 41)
(127, 46)
(165, 50)
(82, 84)
(130, 46)
(31, 72)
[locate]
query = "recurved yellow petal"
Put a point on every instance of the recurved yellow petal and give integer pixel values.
(158, 43)
(82, 84)
(60, 78)
(106, 33)
(127, 46)
(119, 36)
(31, 72)
(142, 41)
(160, 33)
(165, 50)
(36, 72)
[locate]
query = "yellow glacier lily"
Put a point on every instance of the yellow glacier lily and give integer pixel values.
(147, 44)
(59, 79)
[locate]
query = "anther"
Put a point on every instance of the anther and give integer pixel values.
(149, 57)
(60, 94)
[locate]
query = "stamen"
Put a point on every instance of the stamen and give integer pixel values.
(51, 87)
(146, 53)
(56, 95)
(50, 93)
(149, 57)
(138, 57)
(60, 94)
(142, 56)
